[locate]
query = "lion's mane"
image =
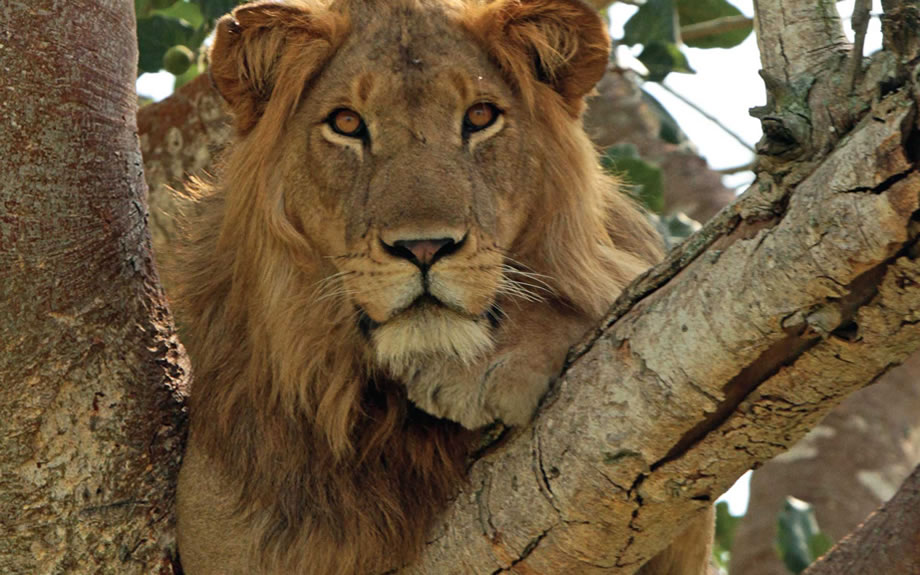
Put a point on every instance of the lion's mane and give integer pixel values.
(327, 453)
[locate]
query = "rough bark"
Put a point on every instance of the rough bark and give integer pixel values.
(887, 542)
(846, 467)
(89, 366)
(855, 459)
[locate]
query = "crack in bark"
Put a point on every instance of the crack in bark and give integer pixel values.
(883, 186)
(488, 528)
(782, 354)
(525, 553)
(542, 477)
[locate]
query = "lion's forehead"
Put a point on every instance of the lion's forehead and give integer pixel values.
(412, 44)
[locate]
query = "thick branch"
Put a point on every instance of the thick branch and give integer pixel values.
(797, 37)
(845, 467)
(886, 542)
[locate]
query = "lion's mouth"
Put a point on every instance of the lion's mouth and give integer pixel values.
(428, 303)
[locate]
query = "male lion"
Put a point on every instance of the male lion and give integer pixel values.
(410, 230)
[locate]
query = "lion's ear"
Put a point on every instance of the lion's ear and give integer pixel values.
(267, 47)
(560, 43)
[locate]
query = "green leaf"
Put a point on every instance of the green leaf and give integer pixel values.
(619, 151)
(193, 72)
(798, 537)
(162, 4)
(214, 9)
(654, 21)
(680, 226)
(669, 129)
(819, 544)
(698, 11)
(141, 8)
(156, 35)
(178, 60)
(644, 178)
(662, 58)
(726, 524)
(188, 12)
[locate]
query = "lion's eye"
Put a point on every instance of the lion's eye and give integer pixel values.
(479, 117)
(347, 123)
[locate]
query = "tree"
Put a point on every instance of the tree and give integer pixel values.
(90, 368)
(802, 292)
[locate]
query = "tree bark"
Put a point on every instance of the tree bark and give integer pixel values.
(90, 370)
(846, 467)
(856, 458)
(887, 542)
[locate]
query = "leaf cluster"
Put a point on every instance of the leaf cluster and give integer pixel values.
(171, 33)
(657, 27)
(799, 539)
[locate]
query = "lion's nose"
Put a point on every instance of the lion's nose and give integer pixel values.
(423, 252)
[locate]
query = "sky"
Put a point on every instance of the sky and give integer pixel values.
(726, 85)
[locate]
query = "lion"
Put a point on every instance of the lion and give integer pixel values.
(408, 232)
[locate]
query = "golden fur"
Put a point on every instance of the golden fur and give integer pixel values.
(315, 343)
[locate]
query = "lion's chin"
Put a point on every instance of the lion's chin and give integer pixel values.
(425, 332)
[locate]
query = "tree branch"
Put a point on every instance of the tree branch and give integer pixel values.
(706, 115)
(797, 37)
(847, 466)
(860, 23)
(885, 543)
(714, 27)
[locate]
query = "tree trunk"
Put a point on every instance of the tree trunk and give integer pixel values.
(90, 370)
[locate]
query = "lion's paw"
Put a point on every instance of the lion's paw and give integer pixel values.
(506, 388)
(514, 389)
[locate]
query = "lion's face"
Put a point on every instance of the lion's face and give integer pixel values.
(408, 178)
(420, 152)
